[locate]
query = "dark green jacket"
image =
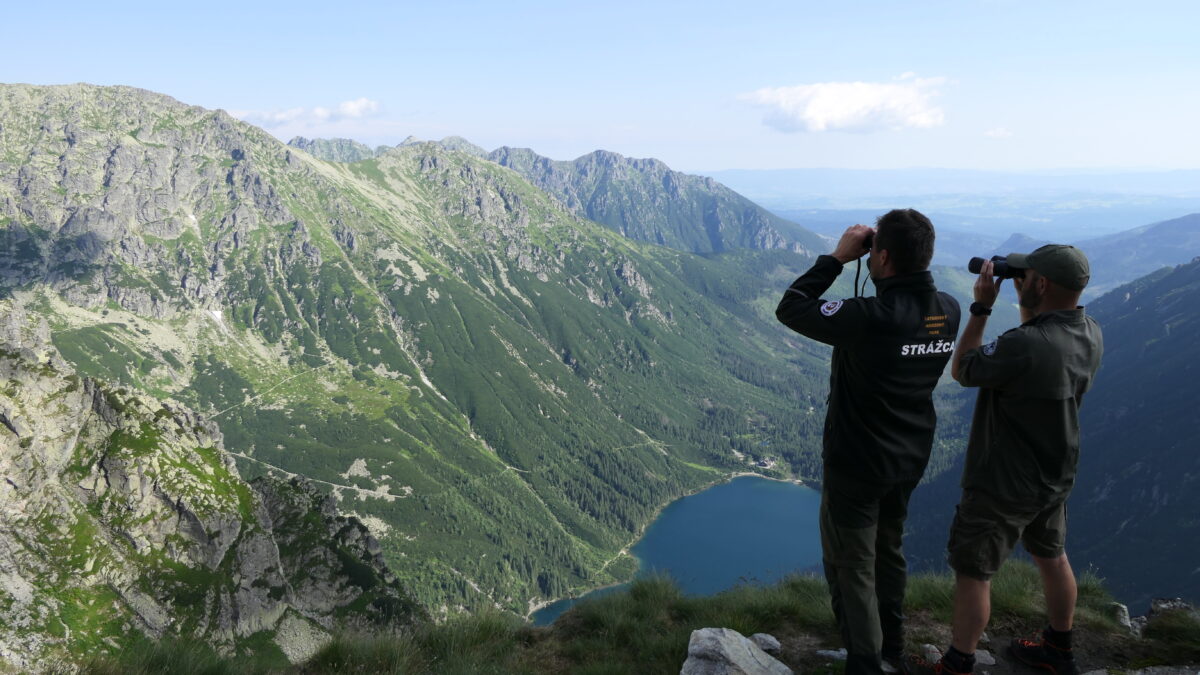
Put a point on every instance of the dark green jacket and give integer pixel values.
(888, 353)
(1024, 443)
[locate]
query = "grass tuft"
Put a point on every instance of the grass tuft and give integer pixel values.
(175, 656)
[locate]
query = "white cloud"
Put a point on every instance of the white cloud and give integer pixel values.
(346, 110)
(998, 132)
(906, 102)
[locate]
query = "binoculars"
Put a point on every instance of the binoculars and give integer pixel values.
(1000, 268)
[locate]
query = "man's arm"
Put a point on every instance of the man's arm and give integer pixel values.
(987, 290)
(999, 362)
(804, 310)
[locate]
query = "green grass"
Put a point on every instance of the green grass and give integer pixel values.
(1179, 632)
(177, 657)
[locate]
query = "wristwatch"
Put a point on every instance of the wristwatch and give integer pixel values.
(980, 309)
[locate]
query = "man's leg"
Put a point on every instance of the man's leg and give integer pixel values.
(981, 537)
(1045, 538)
(891, 577)
(1058, 582)
(891, 569)
(848, 546)
(972, 609)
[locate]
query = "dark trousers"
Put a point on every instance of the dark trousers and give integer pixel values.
(862, 525)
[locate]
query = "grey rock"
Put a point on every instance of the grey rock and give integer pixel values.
(984, 658)
(1121, 614)
(1160, 605)
(721, 651)
(835, 654)
(767, 643)
(931, 653)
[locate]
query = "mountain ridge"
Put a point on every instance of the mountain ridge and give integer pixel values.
(642, 199)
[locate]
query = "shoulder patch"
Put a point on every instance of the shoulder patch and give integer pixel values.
(830, 308)
(989, 348)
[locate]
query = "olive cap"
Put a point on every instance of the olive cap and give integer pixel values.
(1065, 265)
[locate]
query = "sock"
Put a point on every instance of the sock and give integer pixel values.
(958, 661)
(1055, 638)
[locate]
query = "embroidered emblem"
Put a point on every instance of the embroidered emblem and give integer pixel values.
(830, 308)
(989, 348)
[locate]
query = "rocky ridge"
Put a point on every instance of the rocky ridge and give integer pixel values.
(336, 149)
(645, 200)
(642, 199)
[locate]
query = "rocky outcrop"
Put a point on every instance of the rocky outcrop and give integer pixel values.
(120, 514)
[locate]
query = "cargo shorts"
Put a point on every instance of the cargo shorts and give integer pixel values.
(986, 530)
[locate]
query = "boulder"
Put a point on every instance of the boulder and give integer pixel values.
(767, 643)
(1121, 614)
(721, 651)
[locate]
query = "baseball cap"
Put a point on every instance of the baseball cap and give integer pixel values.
(1065, 265)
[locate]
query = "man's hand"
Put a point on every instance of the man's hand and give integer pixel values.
(851, 245)
(987, 289)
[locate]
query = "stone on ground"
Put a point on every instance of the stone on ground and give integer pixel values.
(721, 651)
(767, 643)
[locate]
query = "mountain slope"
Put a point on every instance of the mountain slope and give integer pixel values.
(505, 391)
(1121, 257)
(647, 201)
(1138, 492)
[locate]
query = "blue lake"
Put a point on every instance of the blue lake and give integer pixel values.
(749, 530)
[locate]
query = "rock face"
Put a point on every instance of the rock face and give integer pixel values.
(121, 515)
(721, 651)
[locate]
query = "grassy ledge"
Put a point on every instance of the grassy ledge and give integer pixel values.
(646, 630)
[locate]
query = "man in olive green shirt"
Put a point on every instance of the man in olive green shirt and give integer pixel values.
(1023, 450)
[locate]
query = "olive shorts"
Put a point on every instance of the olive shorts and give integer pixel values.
(986, 530)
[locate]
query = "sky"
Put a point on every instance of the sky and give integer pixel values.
(703, 86)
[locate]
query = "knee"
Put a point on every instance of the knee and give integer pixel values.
(1052, 564)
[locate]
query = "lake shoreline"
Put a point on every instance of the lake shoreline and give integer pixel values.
(535, 606)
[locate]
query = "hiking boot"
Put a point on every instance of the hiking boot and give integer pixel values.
(916, 665)
(1041, 654)
(893, 665)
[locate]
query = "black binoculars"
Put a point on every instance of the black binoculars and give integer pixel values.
(1000, 268)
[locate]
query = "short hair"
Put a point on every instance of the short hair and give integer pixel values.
(907, 236)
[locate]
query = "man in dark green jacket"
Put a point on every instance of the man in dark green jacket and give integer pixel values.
(1023, 451)
(888, 353)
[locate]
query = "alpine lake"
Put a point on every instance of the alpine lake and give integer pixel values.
(749, 530)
